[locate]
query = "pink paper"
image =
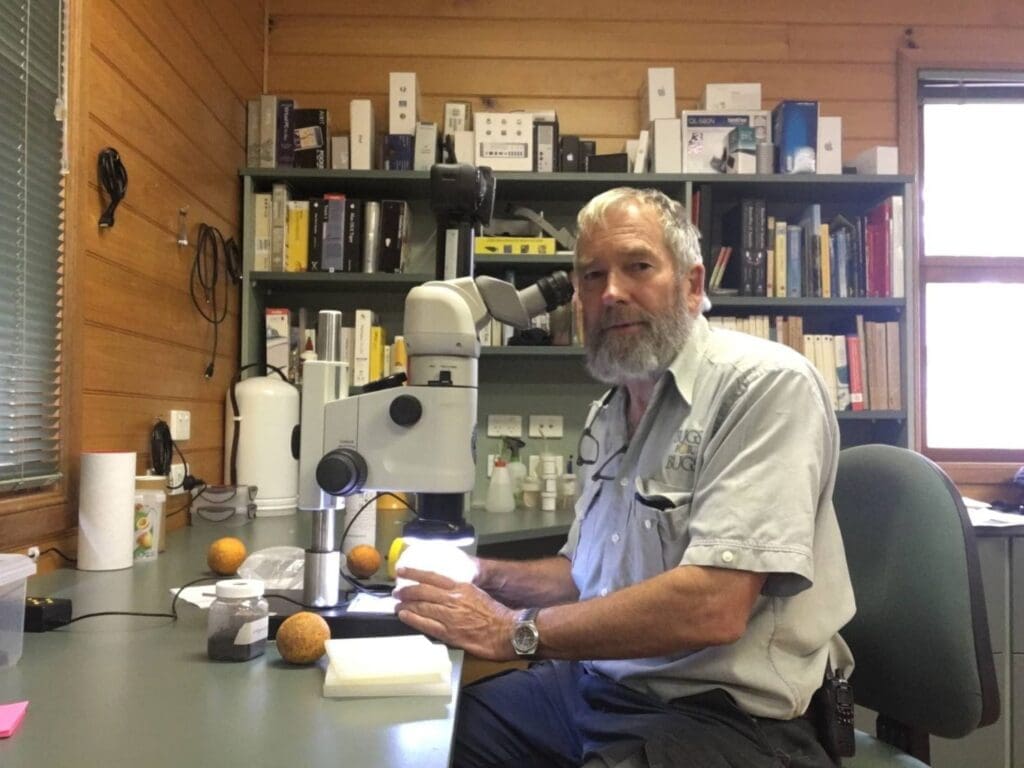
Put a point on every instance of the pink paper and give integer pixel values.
(11, 716)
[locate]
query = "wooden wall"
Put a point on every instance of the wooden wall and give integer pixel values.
(586, 58)
(165, 83)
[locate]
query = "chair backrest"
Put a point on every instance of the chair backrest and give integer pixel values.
(920, 636)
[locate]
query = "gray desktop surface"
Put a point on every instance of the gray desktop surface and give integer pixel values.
(520, 525)
(118, 690)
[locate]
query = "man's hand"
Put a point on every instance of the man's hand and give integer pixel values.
(458, 614)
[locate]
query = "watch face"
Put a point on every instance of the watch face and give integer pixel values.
(525, 638)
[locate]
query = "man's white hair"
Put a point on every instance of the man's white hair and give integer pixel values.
(681, 238)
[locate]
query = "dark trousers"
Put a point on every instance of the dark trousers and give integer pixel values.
(558, 714)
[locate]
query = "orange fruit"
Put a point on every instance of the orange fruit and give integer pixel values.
(363, 561)
(301, 637)
(225, 555)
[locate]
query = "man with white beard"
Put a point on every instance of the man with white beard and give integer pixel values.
(690, 616)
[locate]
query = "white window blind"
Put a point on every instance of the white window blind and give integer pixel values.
(31, 234)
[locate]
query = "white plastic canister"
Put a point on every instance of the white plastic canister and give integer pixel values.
(268, 411)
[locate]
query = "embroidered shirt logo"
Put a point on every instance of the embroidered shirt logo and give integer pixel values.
(683, 456)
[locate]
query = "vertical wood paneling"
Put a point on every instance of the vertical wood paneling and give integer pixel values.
(164, 82)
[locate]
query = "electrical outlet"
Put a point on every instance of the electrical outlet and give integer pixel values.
(175, 478)
(545, 426)
(504, 425)
(180, 425)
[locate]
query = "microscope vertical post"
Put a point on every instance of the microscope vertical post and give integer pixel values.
(324, 380)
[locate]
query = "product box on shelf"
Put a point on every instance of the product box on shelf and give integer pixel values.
(731, 96)
(795, 129)
(877, 160)
(706, 134)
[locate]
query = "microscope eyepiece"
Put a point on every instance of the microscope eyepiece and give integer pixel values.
(556, 289)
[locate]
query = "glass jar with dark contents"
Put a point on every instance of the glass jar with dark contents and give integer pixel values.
(236, 629)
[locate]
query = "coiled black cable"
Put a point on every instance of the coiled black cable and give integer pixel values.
(214, 255)
(114, 180)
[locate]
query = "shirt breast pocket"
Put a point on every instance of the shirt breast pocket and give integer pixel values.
(665, 511)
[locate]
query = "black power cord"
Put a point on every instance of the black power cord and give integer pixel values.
(114, 180)
(214, 256)
(161, 452)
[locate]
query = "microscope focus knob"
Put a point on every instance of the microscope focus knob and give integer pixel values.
(406, 410)
(341, 471)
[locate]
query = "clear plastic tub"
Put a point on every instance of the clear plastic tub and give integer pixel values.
(14, 573)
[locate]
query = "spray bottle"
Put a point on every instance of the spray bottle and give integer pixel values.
(499, 492)
(516, 468)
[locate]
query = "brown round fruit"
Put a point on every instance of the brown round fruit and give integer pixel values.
(301, 638)
(363, 561)
(225, 555)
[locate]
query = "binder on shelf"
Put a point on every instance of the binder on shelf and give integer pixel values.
(332, 257)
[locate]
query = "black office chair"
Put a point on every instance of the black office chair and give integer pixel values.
(920, 635)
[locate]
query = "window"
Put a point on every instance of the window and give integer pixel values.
(972, 265)
(31, 214)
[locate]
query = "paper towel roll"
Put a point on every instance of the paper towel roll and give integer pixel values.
(106, 502)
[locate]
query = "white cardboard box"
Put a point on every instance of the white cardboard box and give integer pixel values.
(425, 152)
(706, 132)
(667, 146)
(658, 95)
(726, 97)
(339, 153)
(504, 140)
(403, 102)
(464, 152)
(362, 145)
(830, 145)
(878, 160)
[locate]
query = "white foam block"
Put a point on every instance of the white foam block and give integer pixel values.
(404, 665)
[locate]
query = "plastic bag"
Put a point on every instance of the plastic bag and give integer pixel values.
(277, 567)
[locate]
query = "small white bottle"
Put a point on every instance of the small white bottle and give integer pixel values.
(499, 493)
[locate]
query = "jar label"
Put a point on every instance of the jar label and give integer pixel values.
(253, 631)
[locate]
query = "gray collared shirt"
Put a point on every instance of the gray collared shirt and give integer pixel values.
(733, 466)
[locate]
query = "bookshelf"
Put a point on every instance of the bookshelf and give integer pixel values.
(527, 380)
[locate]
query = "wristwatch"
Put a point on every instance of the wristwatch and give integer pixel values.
(525, 635)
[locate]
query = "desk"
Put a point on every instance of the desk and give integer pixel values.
(120, 690)
(520, 534)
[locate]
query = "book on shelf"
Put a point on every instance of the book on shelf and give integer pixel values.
(893, 368)
(353, 245)
(842, 364)
(297, 251)
(780, 256)
(280, 195)
(854, 367)
(877, 359)
(794, 260)
(395, 220)
(825, 258)
(317, 220)
(810, 225)
(261, 218)
(362, 340)
(333, 252)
